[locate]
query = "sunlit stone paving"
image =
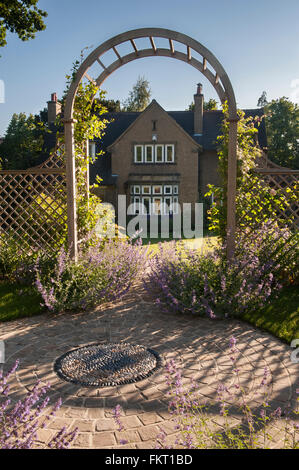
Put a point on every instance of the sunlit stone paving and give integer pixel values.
(200, 347)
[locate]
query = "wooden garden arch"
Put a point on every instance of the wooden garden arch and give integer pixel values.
(209, 66)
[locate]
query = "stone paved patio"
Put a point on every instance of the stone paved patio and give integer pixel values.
(199, 346)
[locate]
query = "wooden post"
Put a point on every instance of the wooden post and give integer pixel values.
(231, 187)
(87, 172)
(71, 188)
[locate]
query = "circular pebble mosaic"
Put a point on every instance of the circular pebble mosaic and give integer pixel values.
(104, 365)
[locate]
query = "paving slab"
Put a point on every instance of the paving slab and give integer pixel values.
(198, 345)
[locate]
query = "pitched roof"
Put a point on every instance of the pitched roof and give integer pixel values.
(154, 104)
(121, 121)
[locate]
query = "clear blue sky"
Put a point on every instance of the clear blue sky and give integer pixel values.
(256, 41)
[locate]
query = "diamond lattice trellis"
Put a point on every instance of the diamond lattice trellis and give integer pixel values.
(283, 182)
(287, 183)
(33, 204)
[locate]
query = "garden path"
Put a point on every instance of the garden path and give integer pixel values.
(199, 346)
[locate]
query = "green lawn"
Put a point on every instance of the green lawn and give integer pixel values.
(204, 243)
(281, 316)
(17, 301)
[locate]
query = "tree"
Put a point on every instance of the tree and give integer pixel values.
(22, 18)
(112, 106)
(262, 101)
(210, 105)
(139, 97)
(282, 124)
(23, 142)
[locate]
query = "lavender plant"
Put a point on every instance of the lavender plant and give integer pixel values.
(207, 284)
(256, 429)
(102, 273)
(20, 423)
(202, 425)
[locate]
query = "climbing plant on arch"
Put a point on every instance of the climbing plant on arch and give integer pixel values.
(208, 65)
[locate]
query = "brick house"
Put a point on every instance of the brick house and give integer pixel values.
(160, 157)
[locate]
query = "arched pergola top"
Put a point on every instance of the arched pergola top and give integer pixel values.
(217, 76)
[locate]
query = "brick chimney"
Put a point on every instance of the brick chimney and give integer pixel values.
(54, 108)
(198, 110)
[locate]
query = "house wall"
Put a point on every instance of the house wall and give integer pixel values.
(208, 170)
(106, 194)
(184, 170)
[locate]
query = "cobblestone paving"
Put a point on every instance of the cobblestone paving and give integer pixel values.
(199, 346)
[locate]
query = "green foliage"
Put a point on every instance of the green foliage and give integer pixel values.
(256, 203)
(139, 97)
(112, 106)
(282, 124)
(10, 256)
(280, 317)
(21, 17)
(210, 105)
(102, 273)
(18, 301)
(248, 152)
(23, 142)
(17, 259)
(89, 125)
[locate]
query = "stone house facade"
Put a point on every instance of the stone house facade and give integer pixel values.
(160, 158)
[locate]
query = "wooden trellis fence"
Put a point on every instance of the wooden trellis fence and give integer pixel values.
(287, 183)
(275, 180)
(33, 204)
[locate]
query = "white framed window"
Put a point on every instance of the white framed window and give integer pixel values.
(146, 189)
(135, 205)
(136, 202)
(146, 201)
(157, 205)
(138, 153)
(175, 202)
(136, 189)
(167, 189)
(149, 154)
(159, 153)
(175, 189)
(169, 153)
(157, 189)
(166, 204)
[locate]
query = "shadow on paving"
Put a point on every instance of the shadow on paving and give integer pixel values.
(199, 346)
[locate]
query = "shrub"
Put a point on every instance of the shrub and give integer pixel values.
(17, 259)
(102, 273)
(189, 281)
(20, 423)
(10, 255)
